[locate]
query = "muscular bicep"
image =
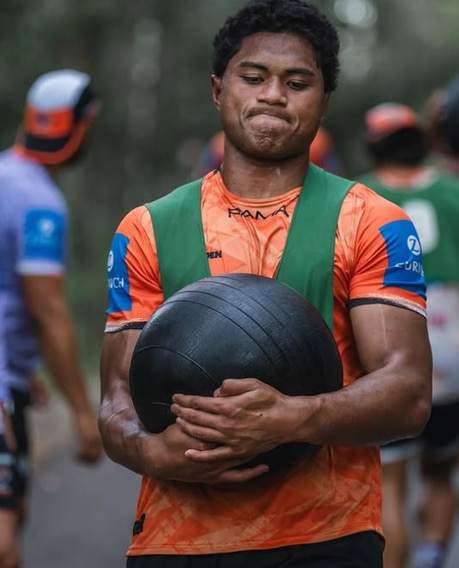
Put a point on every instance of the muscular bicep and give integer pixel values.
(391, 337)
(116, 357)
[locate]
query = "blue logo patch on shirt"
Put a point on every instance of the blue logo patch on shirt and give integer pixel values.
(404, 255)
(118, 276)
(44, 235)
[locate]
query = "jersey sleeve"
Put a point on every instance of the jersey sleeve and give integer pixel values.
(134, 287)
(41, 240)
(387, 260)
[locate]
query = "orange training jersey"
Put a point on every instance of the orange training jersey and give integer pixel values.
(335, 492)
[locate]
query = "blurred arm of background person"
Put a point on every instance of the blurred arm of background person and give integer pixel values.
(45, 300)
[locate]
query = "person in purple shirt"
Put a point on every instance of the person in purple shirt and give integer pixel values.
(35, 322)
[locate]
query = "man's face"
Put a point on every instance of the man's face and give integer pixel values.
(271, 97)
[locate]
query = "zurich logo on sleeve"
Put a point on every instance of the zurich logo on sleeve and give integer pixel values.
(404, 256)
(44, 235)
(118, 276)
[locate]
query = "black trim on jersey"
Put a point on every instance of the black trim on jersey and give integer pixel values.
(136, 325)
(368, 301)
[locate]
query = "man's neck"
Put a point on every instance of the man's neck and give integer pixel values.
(262, 181)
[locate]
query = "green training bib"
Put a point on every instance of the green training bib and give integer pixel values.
(308, 258)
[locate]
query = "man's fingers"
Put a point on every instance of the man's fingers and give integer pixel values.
(238, 476)
(202, 433)
(233, 387)
(202, 403)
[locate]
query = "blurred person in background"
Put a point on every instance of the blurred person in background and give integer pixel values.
(35, 322)
(397, 143)
(322, 153)
(211, 156)
(442, 122)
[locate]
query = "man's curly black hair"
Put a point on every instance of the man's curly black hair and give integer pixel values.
(277, 16)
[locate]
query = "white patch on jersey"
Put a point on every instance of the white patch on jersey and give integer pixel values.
(424, 217)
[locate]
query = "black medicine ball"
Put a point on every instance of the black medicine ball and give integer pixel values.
(232, 326)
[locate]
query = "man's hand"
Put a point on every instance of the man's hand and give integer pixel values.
(175, 465)
(159, 456)
(89, 443)
(245, 418)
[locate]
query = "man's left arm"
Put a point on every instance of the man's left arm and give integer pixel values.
(393, 399)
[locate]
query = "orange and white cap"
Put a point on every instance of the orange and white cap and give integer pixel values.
(387, 118)
(60, 107)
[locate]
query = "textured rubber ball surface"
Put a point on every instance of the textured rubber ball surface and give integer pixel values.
(233, 326)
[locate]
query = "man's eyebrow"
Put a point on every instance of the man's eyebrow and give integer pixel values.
(292, 71)
(253, 64)
(300, 71)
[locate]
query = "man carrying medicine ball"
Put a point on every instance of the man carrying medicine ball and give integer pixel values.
(275, 65)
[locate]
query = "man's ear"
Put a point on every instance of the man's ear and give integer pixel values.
(216, 83)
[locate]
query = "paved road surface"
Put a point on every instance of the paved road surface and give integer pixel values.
(79, 517)
(82, 517)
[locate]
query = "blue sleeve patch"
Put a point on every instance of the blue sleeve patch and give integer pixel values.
(404, 255)
(44, 235)
(118, 276)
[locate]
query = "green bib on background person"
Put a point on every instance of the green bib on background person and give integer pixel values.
(308, 258)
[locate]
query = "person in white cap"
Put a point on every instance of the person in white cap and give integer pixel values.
(35, 322)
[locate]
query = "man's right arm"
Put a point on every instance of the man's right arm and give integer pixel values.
(119, 425)
(128, 443)
(133, 265)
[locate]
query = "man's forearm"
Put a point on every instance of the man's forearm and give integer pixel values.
(365, 413)
(121, 430)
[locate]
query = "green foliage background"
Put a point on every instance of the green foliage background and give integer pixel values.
(150, 63)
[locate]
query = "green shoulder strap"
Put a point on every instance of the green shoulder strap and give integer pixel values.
(179, 237)
(306, 264)
(308, 258)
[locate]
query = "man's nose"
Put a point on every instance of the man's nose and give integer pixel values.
(273, 92)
